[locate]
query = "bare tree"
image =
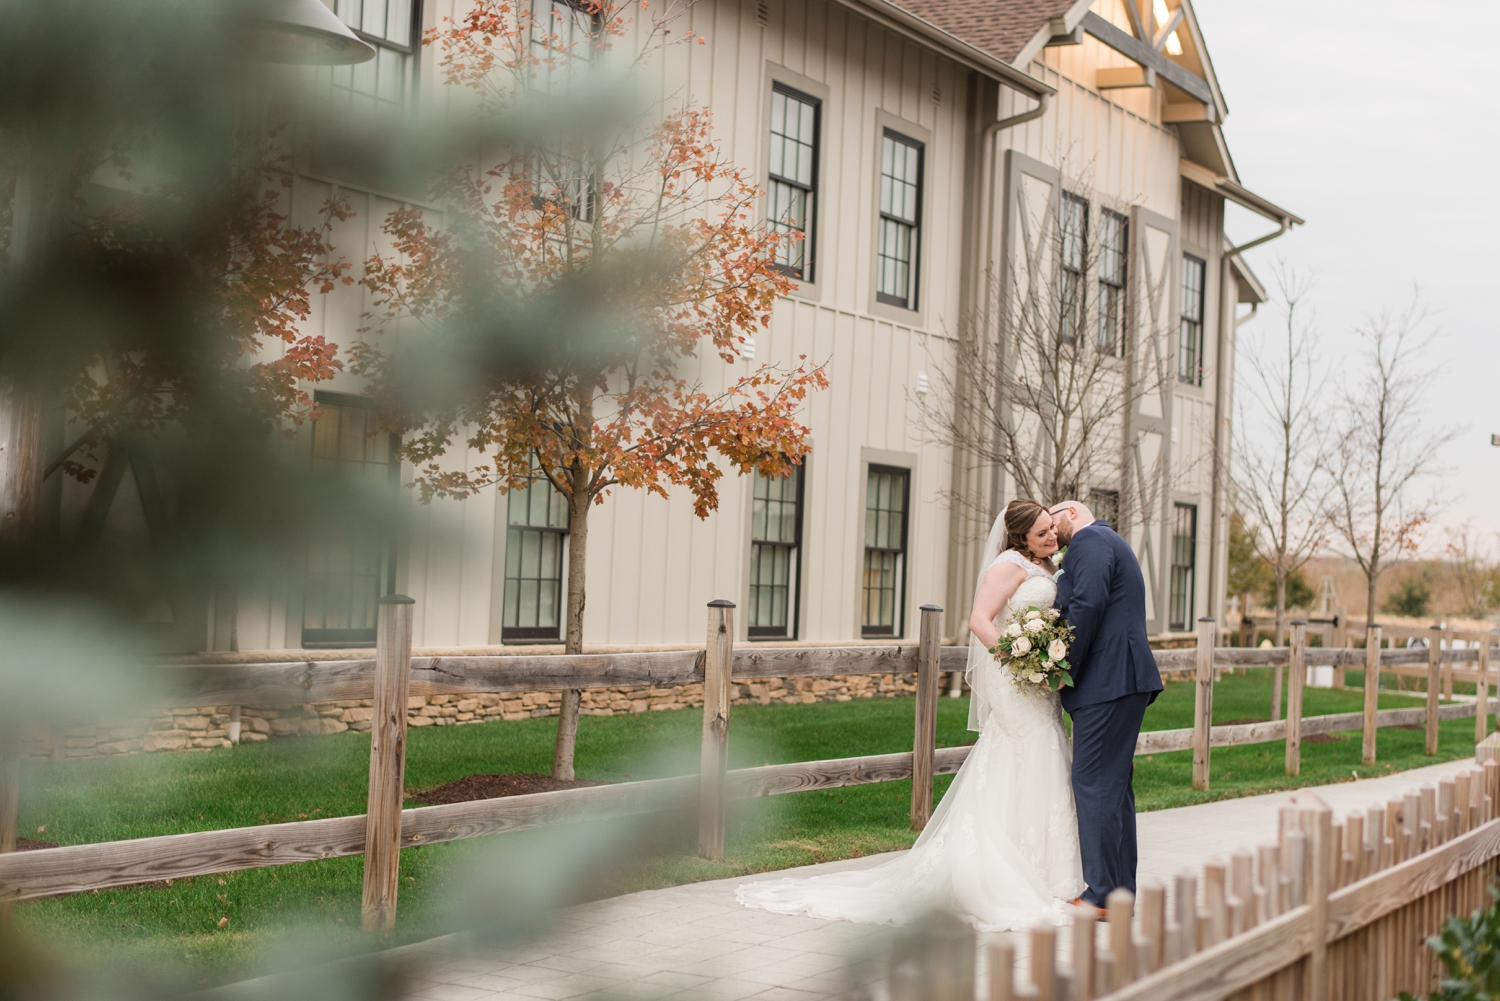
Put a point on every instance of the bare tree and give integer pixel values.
(1385, 448)
(1281, 441)
(1474, 569)
(1047, 398)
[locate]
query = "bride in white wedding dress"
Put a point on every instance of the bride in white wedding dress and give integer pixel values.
(1002, 846)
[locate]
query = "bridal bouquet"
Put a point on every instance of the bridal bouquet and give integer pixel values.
(1034, 648)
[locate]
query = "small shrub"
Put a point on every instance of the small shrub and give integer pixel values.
(1411, 598)
(1469, 949)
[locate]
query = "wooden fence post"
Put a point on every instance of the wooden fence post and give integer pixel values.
(387, 762)
(1338, 637)
(1482, 690)
(1434, 669)
(1448, 668)
(1203, 702)
(718, 663)
(10, 798)
(924, 734)
(1372, 690)
(1321, 845)
(1296, 677)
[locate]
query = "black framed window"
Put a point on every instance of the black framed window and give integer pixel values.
(389, 80)
(350, 561)
(1114, 247)
(1106, 506)
(561, 31)
(1184, 565)
(900, 217)
(536, 536)
(1074, 227)
(1190, 340)
(563, 39)
(792, 192)
(775, 555)
(887, 492)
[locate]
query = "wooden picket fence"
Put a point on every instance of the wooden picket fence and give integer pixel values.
(393, 675)
(1330, 911)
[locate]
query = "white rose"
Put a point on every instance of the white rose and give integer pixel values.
(1035, 613)
(1021, 647)
(1035, 625)
(1036, 679)
(1014, 630)
(1057, 650)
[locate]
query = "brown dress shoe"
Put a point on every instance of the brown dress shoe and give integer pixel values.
(1099, 912)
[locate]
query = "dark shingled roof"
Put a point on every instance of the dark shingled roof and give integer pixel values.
(1000, 27)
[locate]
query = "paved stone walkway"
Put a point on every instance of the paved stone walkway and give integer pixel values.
(695, 942)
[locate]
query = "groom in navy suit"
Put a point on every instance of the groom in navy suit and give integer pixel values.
(1102, 595)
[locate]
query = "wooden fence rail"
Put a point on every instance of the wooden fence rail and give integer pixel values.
(296, 682)
(86, 867)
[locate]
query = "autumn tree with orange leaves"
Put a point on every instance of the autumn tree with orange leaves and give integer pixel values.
(246, 273)
(632, 239)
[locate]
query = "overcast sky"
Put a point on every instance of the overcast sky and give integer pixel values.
(1376, 122)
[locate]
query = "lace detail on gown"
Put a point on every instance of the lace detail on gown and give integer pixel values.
(1002, 846)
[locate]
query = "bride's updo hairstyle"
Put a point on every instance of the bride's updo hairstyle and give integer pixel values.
(1020, 515)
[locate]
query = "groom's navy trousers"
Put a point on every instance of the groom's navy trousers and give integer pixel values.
(1103, 791)
(1102, 595)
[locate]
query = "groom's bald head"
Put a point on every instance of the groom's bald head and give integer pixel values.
(1068, 517)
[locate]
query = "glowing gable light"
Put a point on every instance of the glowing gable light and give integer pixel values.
(1174, 44)
(1159, 11)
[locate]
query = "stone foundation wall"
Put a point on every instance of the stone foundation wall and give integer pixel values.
(202, 728)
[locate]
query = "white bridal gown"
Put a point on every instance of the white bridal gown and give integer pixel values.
(1002, 846)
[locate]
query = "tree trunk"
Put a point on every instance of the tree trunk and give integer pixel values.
(578, 538)
(1280, 607)
(20, 463)
(1370, 579)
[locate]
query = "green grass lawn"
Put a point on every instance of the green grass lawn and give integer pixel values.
(130, 797)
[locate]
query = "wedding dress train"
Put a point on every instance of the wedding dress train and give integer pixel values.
(1001, 848)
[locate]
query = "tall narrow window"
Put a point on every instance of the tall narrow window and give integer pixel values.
(900, 208)
(536, 530)
(1106, 505)
(1184, 563)
(1190, 342)
(775, 555)
(351, 561)
(563, 39)
(1075, 238)
(886, 493)
(1114, 243)
(388, 80)
(793, 183)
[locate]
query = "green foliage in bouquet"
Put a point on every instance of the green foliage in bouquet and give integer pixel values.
(1469, 949)
(1034, 649)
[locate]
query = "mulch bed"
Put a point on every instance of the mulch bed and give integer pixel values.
(32, 844)
(472, 787)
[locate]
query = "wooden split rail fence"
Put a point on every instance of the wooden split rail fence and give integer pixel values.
(1330, 911)
(393, 675)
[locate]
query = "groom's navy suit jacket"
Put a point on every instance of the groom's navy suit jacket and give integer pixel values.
(1103, 596)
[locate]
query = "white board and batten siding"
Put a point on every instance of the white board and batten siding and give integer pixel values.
(653, 565)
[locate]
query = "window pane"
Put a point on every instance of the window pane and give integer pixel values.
(534, 548)
(347, 557)
(885, 544)
(1184, 565)
(1190, 338)
(774, 554)
(794, 128)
